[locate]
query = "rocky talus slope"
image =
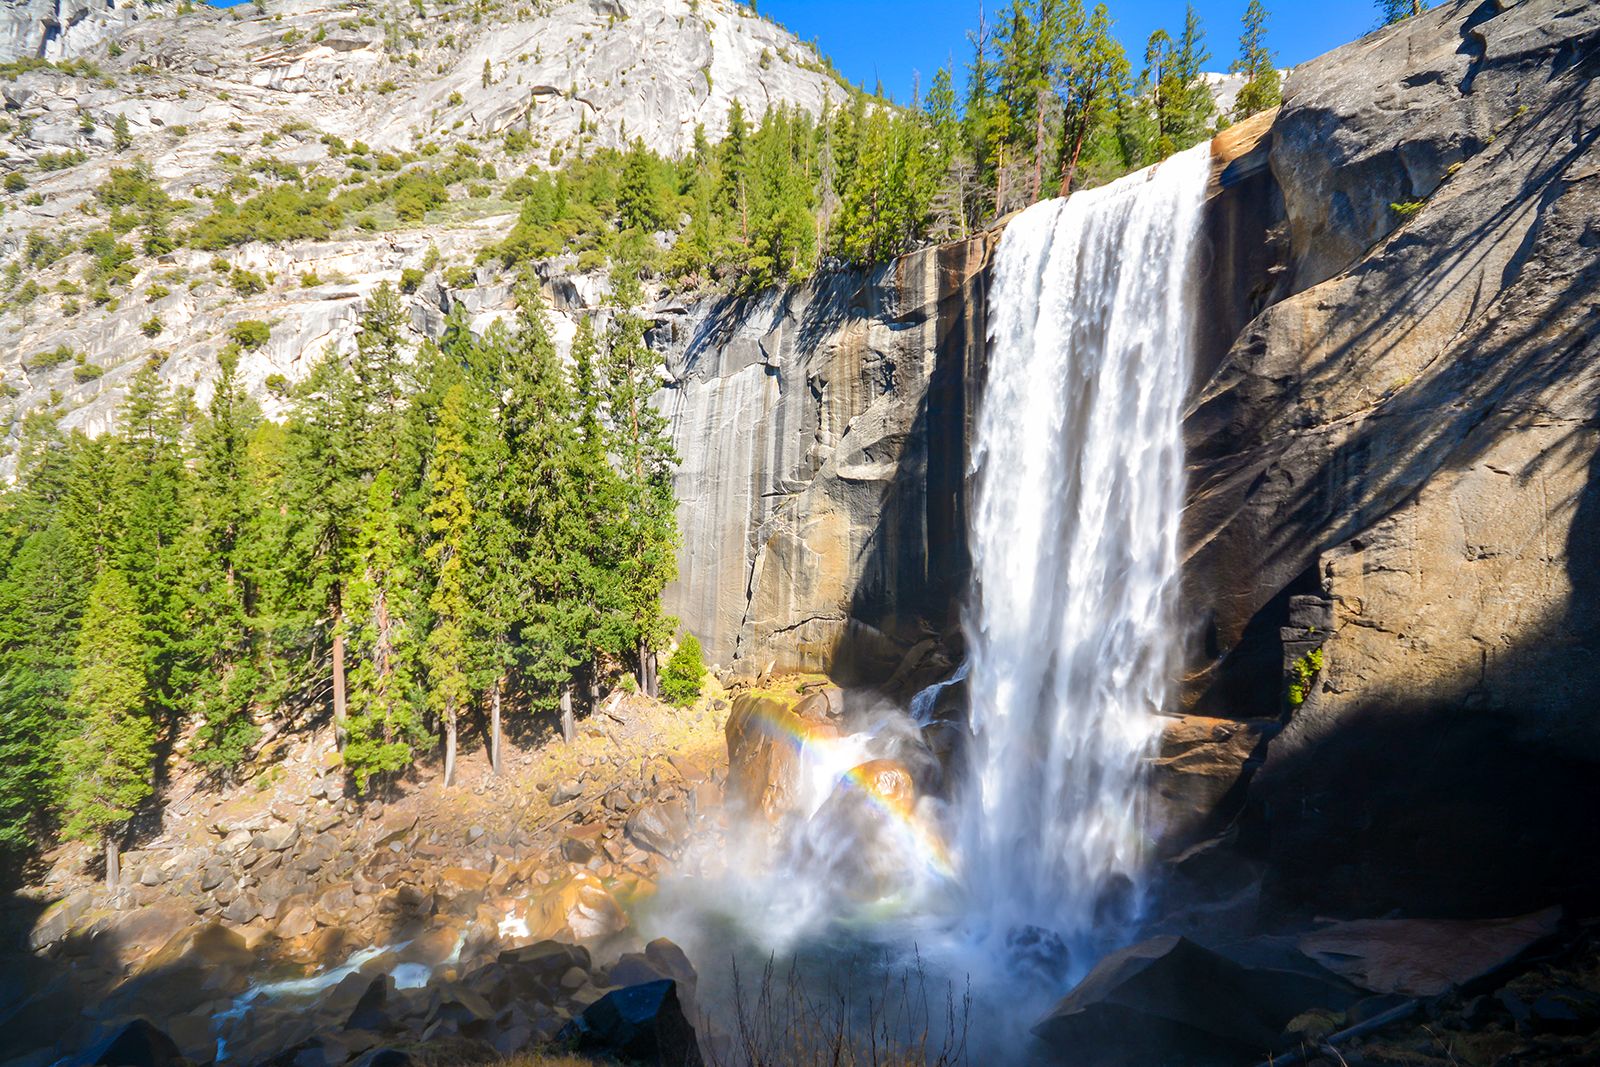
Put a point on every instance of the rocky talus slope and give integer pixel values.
(479, 920)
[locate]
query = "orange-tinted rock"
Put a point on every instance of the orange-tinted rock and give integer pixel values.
(889, 781)
(765, 735)
(576, 908)
(866, 840)
(1200, 761)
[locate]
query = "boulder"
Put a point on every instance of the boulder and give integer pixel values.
(296, 923)
(59, 919)
(461, 888)
(244, 908)
(661, 827)
(1423, 958)
(639, 1024)
(866, 839)
(277, 838)
(660, 959)
(764, 735)
(137, 1044)
(1198, 776)
(1169, 999)
(372, 1010)
(575, 908)
(123, 939)
(582, 843)
(533, 974)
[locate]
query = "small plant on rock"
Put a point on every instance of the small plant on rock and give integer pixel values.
(250, 334)
(684, 673)
(1302, 674)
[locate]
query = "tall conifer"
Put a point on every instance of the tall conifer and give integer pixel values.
(106, 768)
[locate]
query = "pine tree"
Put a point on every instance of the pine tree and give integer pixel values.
(1173, 87)
(1399, 10)
(544, 513)
(323, 499)
(451, 518)
(642, 451)
(782, 233)
(106, 768)
(1262, 89)
(224, 598)
(491, 563)
(1097, 79)
(384, 725)
(121, 136)
(951, 201)
(639, 196)
(41, 607)
(735, 166)
(152, 489)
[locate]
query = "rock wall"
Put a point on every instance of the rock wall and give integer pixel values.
(823, 433)
(53, 29)
(1394, 465)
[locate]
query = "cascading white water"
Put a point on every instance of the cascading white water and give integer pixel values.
(1079, 463)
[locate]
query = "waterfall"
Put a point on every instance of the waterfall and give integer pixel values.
(1079, 465)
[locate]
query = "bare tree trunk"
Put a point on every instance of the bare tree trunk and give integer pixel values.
(339, 711)
(1072, 165)
(113, 872)
(1038, 152)
(449, 746)
(569, 726)
(1000, 183)
(647, 670)
(494, 726)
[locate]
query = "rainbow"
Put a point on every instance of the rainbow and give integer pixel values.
(824, 760)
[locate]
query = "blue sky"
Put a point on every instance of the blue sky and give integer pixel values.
(892, 38)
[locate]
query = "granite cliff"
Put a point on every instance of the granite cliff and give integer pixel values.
(1391, 437)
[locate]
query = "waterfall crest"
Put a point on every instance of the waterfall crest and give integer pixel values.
(1079, 465)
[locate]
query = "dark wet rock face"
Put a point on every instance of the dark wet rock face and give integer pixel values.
(823, 430)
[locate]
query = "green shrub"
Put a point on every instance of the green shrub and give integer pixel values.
(460, 277)
(156, 292)
(681, 680)
(152, 326)
(86, 372)
(246, 282)
(15, 182)
(250, 334)
(310, 280)
(282, 213)
(1303, 672)
(411, 279)
(54, 358)
(49, 161)
(1407, 208)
